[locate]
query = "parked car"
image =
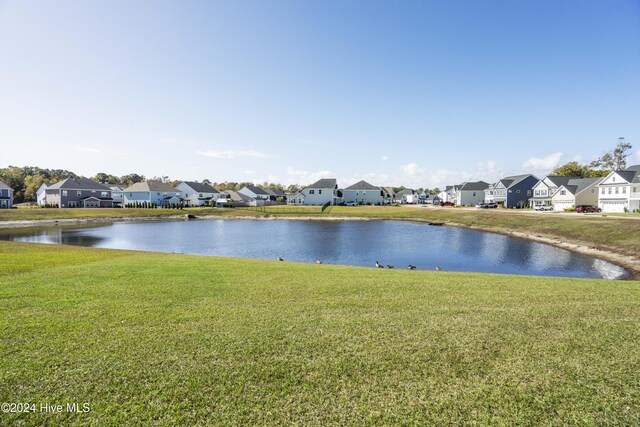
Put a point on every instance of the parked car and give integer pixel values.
(481, 205)
(350, 204)
(543, 208)
(447, 204)
(587, 209)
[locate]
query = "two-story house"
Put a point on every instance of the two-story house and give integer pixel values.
(322, 192)
(117, 193)
(6, 196)
(197, 193)
(471, 193)
(620, 191)
(389, 195)
(576, 192)
(79, 193)
(514, 191)
(41, 194)
(363, 193)
(152, 192)
(545, 188)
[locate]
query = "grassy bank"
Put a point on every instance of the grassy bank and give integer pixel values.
(167, 339)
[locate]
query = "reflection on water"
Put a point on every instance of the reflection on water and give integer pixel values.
(334, 242)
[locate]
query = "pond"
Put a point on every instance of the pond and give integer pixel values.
(361, 243)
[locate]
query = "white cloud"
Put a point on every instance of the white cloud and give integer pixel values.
(547, 163)
(304, 177)
(385, 158)
(232, 154)
(248, 172)
(413, 175)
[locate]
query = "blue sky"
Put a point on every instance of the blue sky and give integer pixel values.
(419, 93)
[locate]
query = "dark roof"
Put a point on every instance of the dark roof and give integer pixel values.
(5, 186)
(274, 192)
(325, 183)
(561, 180)
(200, 187)
(631, 174)
(256, 190)
(148, 186)
(78, 183)
(474, 186)
(362, 185)
(404, 192)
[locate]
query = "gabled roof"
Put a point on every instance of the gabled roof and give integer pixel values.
(4, 186)
(256, 190)
(325, 183)
(474, 186)
(560, 180)
(630, 174)
(116, 188)
(78, 183)
(513, 180)
(388, 191)
(577, 185)
(405, 192)
(274, 192)
(362, 185)
(200, 187)
(148, 186)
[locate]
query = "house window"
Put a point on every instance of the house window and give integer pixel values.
(319, 191)
(609, 190)
(103, 194)
(517, 191)
(563, 193)
(130, 194)
(200, 195)
(78, 193)
(528, 192)
(617, 190)
(312, 192)
(593, 191)
(624, 190)
(602, 190)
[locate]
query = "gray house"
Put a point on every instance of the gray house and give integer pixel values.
(152, 192)
(6, 196)
(79, 193)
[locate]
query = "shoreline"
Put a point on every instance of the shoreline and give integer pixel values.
(630, 263)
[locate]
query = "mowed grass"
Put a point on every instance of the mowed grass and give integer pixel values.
(162, 339)
(34, 214)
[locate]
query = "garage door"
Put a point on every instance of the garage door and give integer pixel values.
(613, 206)
(560, 206)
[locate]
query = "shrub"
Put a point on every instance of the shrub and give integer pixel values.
(571, 209)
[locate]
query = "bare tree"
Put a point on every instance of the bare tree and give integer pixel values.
(615, 159)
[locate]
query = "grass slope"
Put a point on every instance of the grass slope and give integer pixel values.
(171, 339)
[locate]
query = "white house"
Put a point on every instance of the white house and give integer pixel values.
(545, 188)
(197, 193)
(363, 193)
(407, 195)
(295, 199)
(322, 192)
(449, 193)
(471, 193)
(117, 194)
(6, 196)
(576, 192)
(620, 191)
(254, 192)
(41, 194)
(157, 193)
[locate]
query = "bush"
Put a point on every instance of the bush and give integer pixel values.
(571, 209)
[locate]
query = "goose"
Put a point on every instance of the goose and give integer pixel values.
(412, 267)
(378, 265)
(438, 268)
(389, 266)
(318, 261)
(280, 259)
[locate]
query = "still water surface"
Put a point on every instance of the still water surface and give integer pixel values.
(397, 243)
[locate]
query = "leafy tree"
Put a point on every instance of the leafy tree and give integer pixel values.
(615, 159)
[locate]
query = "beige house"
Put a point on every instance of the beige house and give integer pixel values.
(576, 192)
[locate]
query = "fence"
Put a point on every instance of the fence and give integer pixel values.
(285, 209)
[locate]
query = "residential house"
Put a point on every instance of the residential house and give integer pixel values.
(576, 192)
(488, 194)
(235, 198)
(275, 194)
(470, 193)
(620, 191)
(6, 196)
(545, 188)
(514, 191)
(407, 195)
(79, 193)
(296, 199)
(363, 193)
(152, 192)
(322, 192)
(197, 193)
(41, 194)
(117, 193)
(449, 193)
(254, 192)
(389, 195)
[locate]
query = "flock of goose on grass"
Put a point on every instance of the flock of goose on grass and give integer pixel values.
(378, 265)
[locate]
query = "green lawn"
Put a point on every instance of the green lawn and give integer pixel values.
(173, 339)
